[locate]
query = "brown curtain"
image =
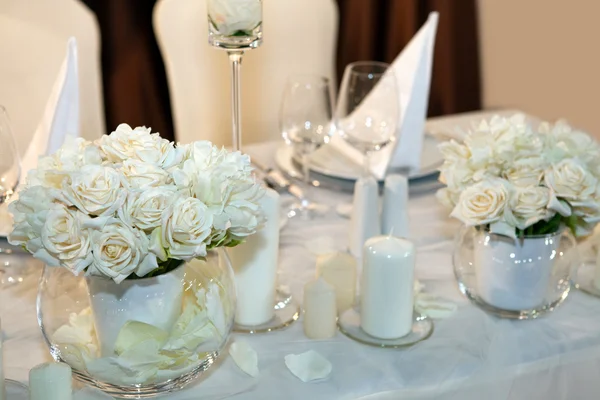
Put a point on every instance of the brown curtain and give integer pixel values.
(379, 30)
(135, 88)
(135, 84)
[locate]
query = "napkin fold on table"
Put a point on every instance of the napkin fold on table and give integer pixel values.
(59, 121)
(413, 73)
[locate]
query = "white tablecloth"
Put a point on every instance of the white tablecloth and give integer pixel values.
(469, 356)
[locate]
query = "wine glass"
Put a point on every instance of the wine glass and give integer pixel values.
(10, 172)
(368, 108)
(306, 124)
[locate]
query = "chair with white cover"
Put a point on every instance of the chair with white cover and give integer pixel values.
(299, 37)
(33, 39)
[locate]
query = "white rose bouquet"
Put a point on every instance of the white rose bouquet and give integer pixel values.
(516, 181)
(133, 205)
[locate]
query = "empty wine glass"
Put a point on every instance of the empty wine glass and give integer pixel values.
(11, 265)
(306, 124)
(368, 108)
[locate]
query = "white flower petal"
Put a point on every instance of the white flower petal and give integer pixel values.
(245, 357)
(308, 366)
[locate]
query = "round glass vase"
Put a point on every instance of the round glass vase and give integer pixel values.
(142, 337)
(514, 278)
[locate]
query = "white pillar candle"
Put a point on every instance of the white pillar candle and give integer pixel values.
(320, 311)
(394, 217)
(364, 222)
(255, 265)
(2, 384)
(50, 381)
(387, 287)
(339, 270)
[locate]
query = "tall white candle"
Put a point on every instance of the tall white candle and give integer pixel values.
(387, 287)
(394, 216)
(364, 222)
(2, 383)
(320, 310)
(339, 270)
(50, 381)
(255, 265)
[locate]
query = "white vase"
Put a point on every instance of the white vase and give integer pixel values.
(156, 301)
(514, 274)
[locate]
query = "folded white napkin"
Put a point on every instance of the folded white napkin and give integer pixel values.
(61, 116)
(413, 73)
(60, 119)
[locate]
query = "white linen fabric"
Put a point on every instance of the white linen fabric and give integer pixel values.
(470, 355)
(413, 74)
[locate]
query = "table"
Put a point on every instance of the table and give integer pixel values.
(469, 356)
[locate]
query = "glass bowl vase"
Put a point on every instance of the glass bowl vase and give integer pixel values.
(142, 337)
(514, 278)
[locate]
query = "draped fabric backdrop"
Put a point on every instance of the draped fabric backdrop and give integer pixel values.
(135, 86)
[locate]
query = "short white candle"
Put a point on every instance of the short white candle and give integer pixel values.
(320, 311)
(255, 265)
(50, 381)
(394, 217)
(387, 287)
(2, 384)
(339, 270)
(364, 221)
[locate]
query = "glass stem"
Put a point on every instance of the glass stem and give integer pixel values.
(306, 177)
(367, 165)
(235, 58)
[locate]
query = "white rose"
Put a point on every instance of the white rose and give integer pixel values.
(139, 144)
(484, 203)
(457, 176)
(230, 16)
(526, 172)
(186, 225)
(144, 209)
(224, 182)
(242, 211)
(53, 170)
(448, 197)
(588, 209)
(570, 180)
(96, 190)
(530, 205)
(119, 251)
(64, 239)
(454, 152)
(29, 213)
(141, 175)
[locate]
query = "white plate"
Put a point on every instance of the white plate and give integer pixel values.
(326, 161)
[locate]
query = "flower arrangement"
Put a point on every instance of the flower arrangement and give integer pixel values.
(234, 17)
(514, 180)
(134, 205)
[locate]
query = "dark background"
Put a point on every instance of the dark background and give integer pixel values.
(135, 85)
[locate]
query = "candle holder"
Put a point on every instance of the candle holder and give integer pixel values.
(235, 26)
(16, 390)
(349, 325)
(286, 312)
